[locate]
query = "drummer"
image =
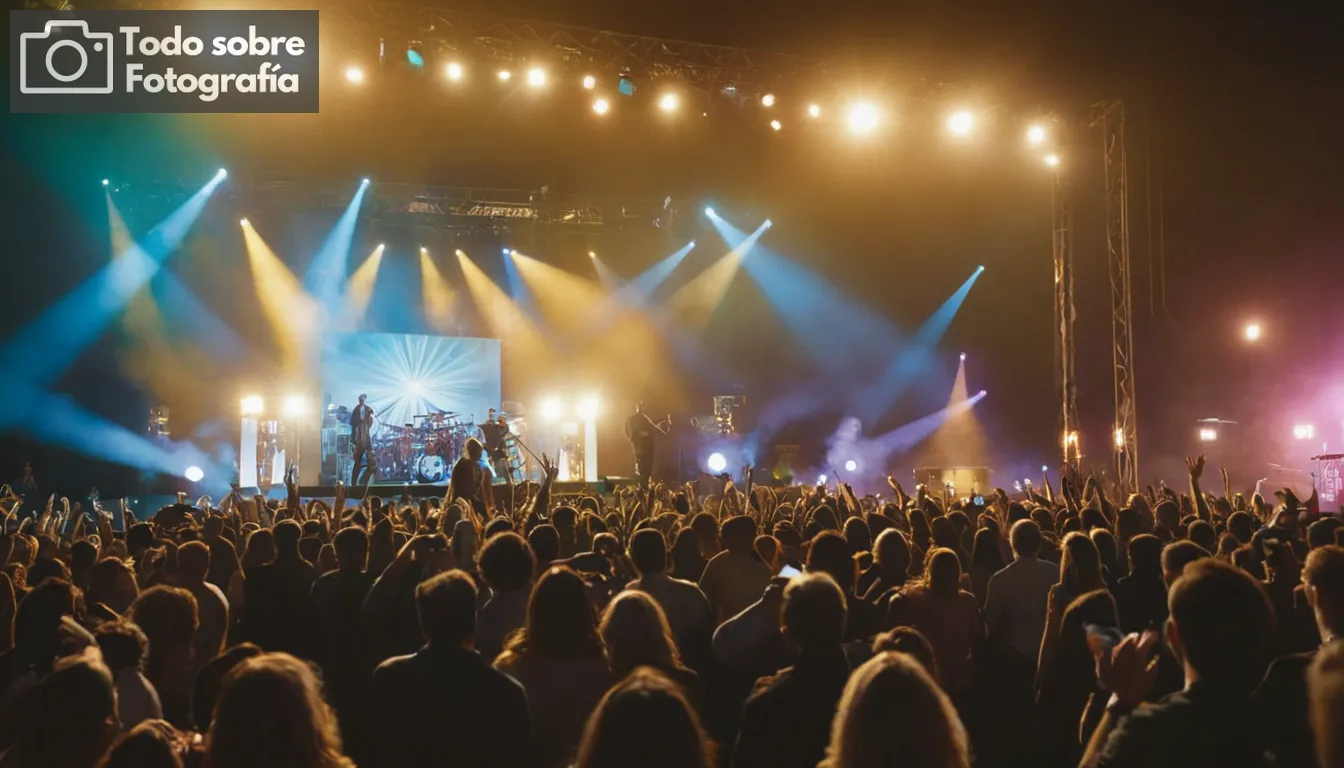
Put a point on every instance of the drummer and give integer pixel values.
(494, 430)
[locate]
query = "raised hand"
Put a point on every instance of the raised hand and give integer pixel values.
(1129, 670)
(1196, 467)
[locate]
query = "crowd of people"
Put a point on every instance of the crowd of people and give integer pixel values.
(663, 626)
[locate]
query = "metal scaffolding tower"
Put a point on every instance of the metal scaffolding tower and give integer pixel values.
(1109, 116)
(1062, 245)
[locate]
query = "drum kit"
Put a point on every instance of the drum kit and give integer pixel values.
(422, 451)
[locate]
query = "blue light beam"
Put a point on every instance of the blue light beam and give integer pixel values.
(46, 346)
(915, 359)
(326, 274)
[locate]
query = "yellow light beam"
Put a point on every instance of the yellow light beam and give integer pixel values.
(958, 441)
(694, 303)
(292, 313)
(438, 295)
(503, 317)
(570, 305)
(359, 288)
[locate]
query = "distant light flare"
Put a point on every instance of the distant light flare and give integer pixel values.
(453, 71)
(961, 123)
(1253, 332)
(536, 77)
(601, 106)
(354, 75)
(814, 111)
(589, 82)
(669, 102)
(862, 118)
(1036, 135)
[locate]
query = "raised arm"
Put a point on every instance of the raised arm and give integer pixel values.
(1196, 467)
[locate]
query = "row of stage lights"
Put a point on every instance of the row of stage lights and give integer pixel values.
(861, 118)
(291, 406)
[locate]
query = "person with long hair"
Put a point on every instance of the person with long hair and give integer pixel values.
(891, 561)
(1079, 573)
(986, 560)
(1069, 683)
(558, 658)
(646, 721)
(893, 713)
(945, 614)
(168, 616)
(635, 631)
(151, 744)
(271, 712)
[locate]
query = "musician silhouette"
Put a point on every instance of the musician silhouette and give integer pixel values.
(641, 431)
(361, 428)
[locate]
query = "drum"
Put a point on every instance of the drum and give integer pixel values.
(430, 469)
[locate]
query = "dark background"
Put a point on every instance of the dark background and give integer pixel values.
(1234, 169)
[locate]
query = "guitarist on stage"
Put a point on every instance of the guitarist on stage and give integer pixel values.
(642, 432)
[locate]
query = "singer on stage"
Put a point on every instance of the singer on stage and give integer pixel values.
(642, 433)
(361, 427)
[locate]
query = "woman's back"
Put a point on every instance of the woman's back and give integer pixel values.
(561, 694)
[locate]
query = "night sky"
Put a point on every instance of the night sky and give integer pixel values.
(1235, 121)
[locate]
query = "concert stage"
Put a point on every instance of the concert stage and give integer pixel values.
(426, 491)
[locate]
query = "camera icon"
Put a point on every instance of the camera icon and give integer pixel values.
(38, 49)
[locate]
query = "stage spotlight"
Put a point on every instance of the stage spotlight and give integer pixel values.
(625, 85)
(194, 474)
(862, 119)
(508, 251)
(1119, 437)
(221, 174)
(961, 123)
(716, 462)
(1051, 160)
(601, 106)
(1036, 135)
(461, 254)
(709, 211)
(768, 100)
(1208, 435)
(365, 181)
(814, 111)
(536, 77)
(453, 71)
(551, 409)
(354, 75)
(768, 223)
(592, 254)
(775, 124)
(589, 82)
(669, 102)
(980, 268)
(414, 57)
(294, 406)
(423, 249)
(242, 222)
(104, 182)
(504, 75)
(851, 466)
(1304, 432)
(253, 405)
(1253, 332)
(821, 479)
(588, 408)
(982, 393)
(692, 244)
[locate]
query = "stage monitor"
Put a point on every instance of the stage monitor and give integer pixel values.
(427, 393)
